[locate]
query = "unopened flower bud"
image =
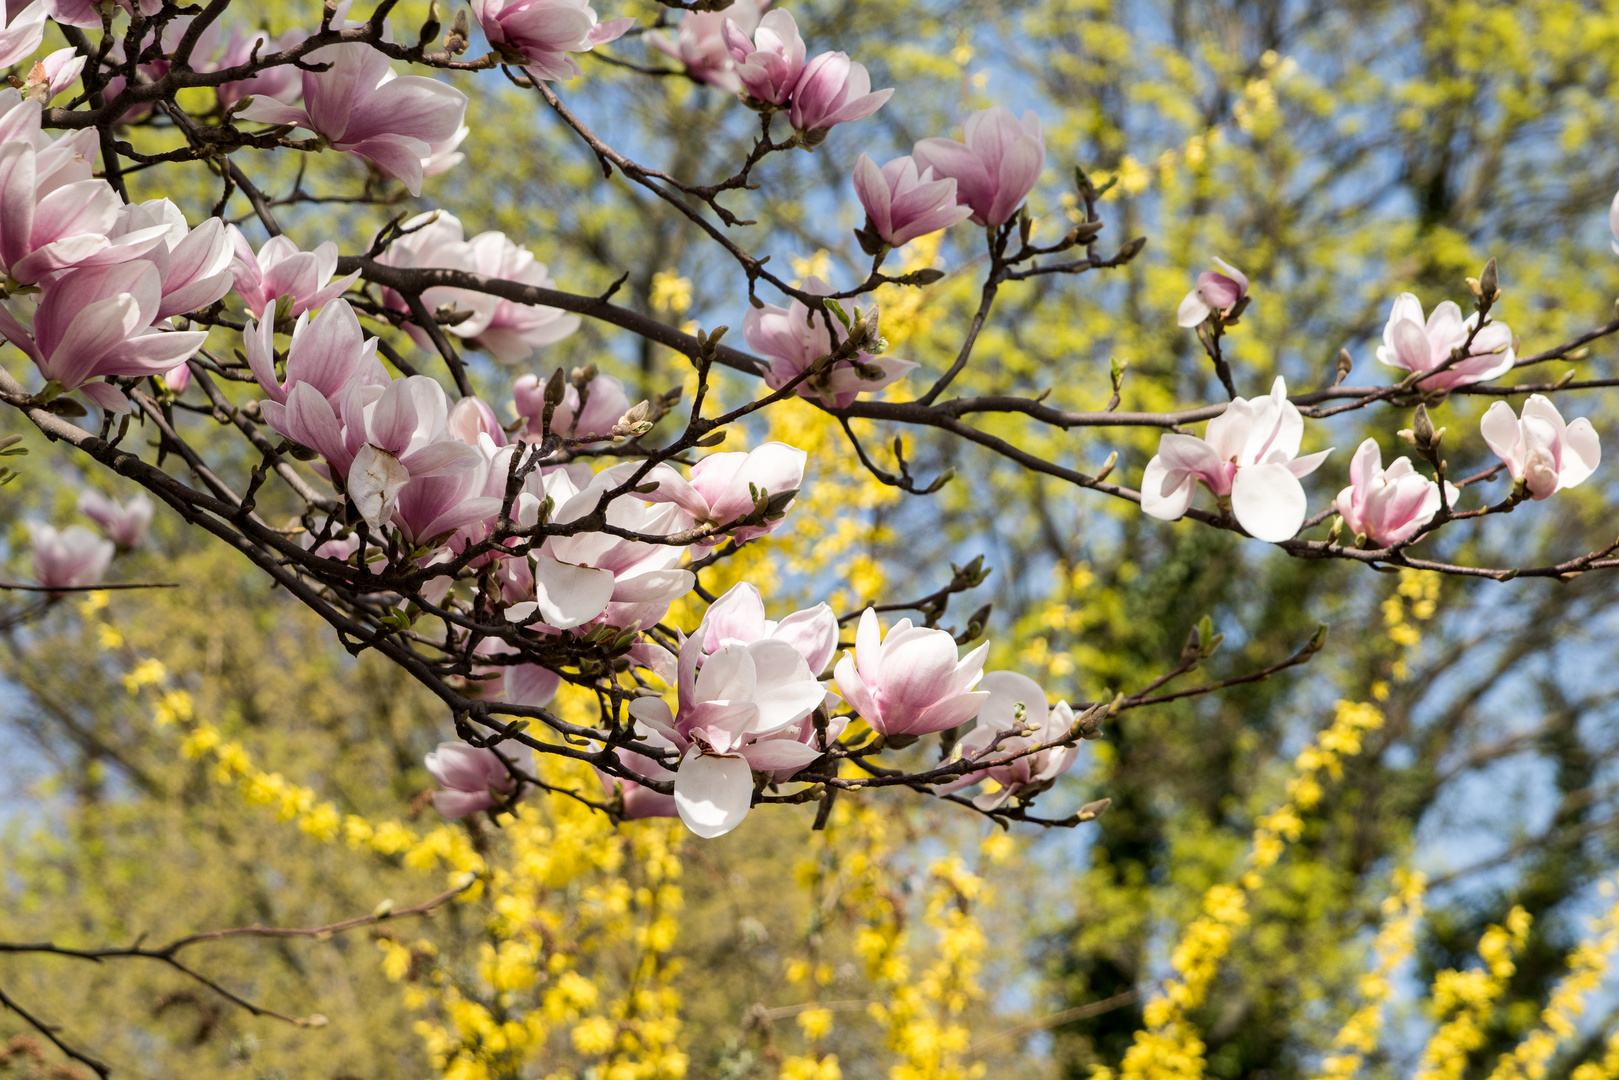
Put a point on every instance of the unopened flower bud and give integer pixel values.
(1487, 283)
(1422, 431)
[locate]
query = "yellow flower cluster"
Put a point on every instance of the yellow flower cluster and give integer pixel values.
(1402, 913)
(1468, 997)
(1169, 1047)
(1587, 965)
(1415, 598)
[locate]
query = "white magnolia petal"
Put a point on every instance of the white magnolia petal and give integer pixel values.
(570, 595)
(1268, 501)
(713, 793)
(1165, 507)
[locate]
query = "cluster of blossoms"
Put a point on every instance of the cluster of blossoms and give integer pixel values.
(77, 558)
(1249, 454)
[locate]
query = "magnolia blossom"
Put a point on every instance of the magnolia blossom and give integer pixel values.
(832, 90)
(70, 558)
(359, 105)
(603, 405)
(1388, 506)
(86, 13)
(511, 332)
(97, 321)
(726, 487)
(54, 74)
(1024, 776)
(123, 525)
(53, 213)
(1213, 292)
(23, 33)
(1248, 455)
(1541, 451)
(284, 82)
(445, 154)
(769, 65)
(699, 44)
(471, 779)
(738, 618)
(997, 166)
(397, 436)
(902, 204)
(539, 34)
(283, 281)
(327, 353)
(790, 340)
(194, 265)
(471, 417)
(910, 682)
(1412, 345)
(639, 801)
(730, 704)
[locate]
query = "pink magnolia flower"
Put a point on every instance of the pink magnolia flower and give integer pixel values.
(1412, 345)
(1541, 451)
(790, 341)
(730, 703)
(700, 42)
(23, 33)
(604, 404)
(1019, 777)
(327, 353)
(724, 488)
(445, 154)
(1388, 506)
(52, 75)
(902, 204)
(123, 525)
(1249, 455)
(84, 12)
(638, 800)
(738, 618)
(1213, 292)
(53, 214)
(70, 558)
(768, 66)
(283, 82)
(911, 682)
(97, 321)
(471, 417)
(997, 166)
(832, 90)
(359, 105)
(194, 264)
(470, 778)
(539, 34)
(397, 435)
(282, 280)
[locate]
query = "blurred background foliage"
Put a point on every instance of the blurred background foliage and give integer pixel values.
(1339, 153)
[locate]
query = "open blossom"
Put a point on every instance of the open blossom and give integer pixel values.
(282, 280)
(23, 33)
(54, 74)
(790, 341)
(327, 352)
(603, 405)
(730, 703)
(471, 417)
(995, 168)
(359, 105)
(1412, 345)
(469, 777)
(1249, 454)
(1213, 292)
(1388, 506)
(396, 436)
(901, 203)
(910, 682)
(53, 213)
(1025, 776)
(192, 264)
(738, 618)
(511, 332)
(70, 558)
(769, 65)
(1541, 451)
(723, 488)
(284, 82)
(539, 34)
(97, 321)
(832, 90)
(123, 525)
(699, 43)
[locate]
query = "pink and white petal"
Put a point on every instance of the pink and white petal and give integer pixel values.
(713, 793)
(531, 684)
(1503, 435)
(770, 755)
(570, 595)
(1307, 464)
(854, 689)
(950, 713)
(1582, 453)
(106, 396)
(1156, 503)
(1268, 501)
